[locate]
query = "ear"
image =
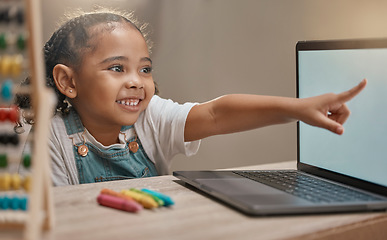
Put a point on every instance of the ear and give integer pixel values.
(64, 80)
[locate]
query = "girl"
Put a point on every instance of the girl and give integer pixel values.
(111, 125)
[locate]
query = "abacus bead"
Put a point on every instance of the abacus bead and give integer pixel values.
(27, 160)
(20, 16)
(3, 161)
(13, 114)
(5, 203)
(15, 203)
(16, 181)
(5, 181)
(3, 114)
(3, 41)
(27, 183)
(23, 203)
(3, 140)
(6, 90)
(14, 139)
(21, 42)
(4, 15)
(16, 65)
(5, 64)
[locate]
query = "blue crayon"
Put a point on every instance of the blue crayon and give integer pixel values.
(167, 200)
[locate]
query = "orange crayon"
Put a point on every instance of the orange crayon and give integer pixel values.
(116, 194)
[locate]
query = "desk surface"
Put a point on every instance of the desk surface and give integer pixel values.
(195, 216)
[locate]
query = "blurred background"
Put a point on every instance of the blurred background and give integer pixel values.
(207, 48)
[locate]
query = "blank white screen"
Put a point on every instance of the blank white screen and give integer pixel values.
(361, 151)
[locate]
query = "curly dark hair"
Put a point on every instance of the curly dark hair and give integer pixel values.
(68, 44)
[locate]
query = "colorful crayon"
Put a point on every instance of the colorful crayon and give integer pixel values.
(167, 200)
(116, 194)
(118, 203)
(159, 201)
(144, 200)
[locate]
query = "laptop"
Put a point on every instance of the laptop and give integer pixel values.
(335, 173)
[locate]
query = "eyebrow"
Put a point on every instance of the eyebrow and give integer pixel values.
(146, 59)
(122, 58)
(115, 58)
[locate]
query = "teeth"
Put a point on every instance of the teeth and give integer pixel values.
(130, 102)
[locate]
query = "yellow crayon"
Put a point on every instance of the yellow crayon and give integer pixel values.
(116, 194)
(144, 200)
(159, 201)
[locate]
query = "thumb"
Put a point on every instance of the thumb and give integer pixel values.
(332, 126)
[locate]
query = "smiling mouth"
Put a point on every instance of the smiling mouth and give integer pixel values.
(129, 102)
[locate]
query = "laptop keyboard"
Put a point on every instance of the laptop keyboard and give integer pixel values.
(307, 187)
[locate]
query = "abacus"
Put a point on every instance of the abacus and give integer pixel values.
(25, 199)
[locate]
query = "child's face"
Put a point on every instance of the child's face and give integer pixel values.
(114, 83)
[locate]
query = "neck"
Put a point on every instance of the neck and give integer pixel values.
(104, 132)
(106, 136)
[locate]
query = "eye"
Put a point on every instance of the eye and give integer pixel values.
(116, 68)
(146, 70)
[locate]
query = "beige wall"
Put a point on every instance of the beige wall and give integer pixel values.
(207, 48)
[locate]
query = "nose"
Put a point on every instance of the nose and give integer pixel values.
(134, 81)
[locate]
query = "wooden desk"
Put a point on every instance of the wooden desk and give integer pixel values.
(195, 216)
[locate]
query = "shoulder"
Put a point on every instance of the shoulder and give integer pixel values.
(164, 107)
(157, 102)
(58, 132)
(63, 166)
(57, 124)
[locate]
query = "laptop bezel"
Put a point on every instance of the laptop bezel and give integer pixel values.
(331, 45)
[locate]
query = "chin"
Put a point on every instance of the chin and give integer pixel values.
(128, 121)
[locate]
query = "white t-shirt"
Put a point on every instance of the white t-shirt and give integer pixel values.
(160, 129)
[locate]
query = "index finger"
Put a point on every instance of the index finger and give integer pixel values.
(351, 93)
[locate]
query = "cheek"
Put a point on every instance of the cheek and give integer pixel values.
(150, 88)
(149, 92)
(101, 94)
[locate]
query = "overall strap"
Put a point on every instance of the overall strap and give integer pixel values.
(73, 123)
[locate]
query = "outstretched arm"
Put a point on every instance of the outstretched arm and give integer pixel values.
(240, 112)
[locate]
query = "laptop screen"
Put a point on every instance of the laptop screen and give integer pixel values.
(336, 66)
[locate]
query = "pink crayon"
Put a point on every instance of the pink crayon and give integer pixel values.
(118, 203)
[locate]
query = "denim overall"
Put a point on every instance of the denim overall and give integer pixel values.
(110, 164)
